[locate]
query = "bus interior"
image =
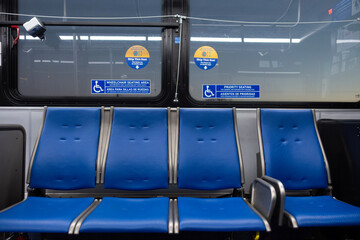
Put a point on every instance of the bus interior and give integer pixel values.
(180, 119)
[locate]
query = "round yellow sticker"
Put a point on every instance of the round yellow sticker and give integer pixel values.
(137, 57)
(205, 57)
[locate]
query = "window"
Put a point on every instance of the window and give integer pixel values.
(73, 61)
(292, 62)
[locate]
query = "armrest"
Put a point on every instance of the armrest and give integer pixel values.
(280, 200)
(263, 197)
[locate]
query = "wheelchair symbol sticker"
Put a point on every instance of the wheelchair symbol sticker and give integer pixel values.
(208, 91)
(97, 86)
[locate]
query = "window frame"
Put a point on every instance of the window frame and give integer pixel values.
(10, 72)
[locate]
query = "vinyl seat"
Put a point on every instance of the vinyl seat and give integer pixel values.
(217, 214)
(320, 211)
(137, 160)
(116, 215)
(209, 160)
(293, 156)
(65, 159)
(39, 214)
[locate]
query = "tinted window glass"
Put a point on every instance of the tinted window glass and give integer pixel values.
(277, 62)
(71, 58)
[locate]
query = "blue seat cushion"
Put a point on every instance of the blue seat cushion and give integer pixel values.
(217, 214)
(39, 214)
(208, 154)
(137, 158)
(117, 215)
(292, 150)
(322, 211)
(67, 152)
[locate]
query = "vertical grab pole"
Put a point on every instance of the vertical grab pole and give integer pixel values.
(179, 59)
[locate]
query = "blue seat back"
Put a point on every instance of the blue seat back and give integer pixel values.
(67, 151)
(208, 155)
(292, 150)
(137, 158)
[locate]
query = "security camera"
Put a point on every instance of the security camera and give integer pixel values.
(35, 28)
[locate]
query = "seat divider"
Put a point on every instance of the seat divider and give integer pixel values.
(170, 146)
(322, 149)
(176, 217)
(261, 146)
(176, 145)
(36, 146)
(238, 147)
(106, 144)
(266, 223)
(171, 216)
(100, 146)
(292, 219)
(78, 221)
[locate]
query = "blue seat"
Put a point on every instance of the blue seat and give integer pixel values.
(322, 211)
(43, 215)
(217, 215)
(137, 159)
(116, 215)
(292, 153)
(209, 160)
(65, 159)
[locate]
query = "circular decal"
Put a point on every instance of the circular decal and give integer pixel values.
(205, 58)
(137, 57)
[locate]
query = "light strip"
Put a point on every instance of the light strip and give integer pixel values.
(214, 39)
(267, 40)
(348, 41)
(98, 62)
(28, 37)
(62, 37)
(118, 38)
(296, 40)
(154, 38)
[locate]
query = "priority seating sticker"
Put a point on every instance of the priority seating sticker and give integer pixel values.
(137, 57)
(205, 58)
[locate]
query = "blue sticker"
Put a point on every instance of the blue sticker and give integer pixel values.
(231, 91)
(120, 86)
(177, 40)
